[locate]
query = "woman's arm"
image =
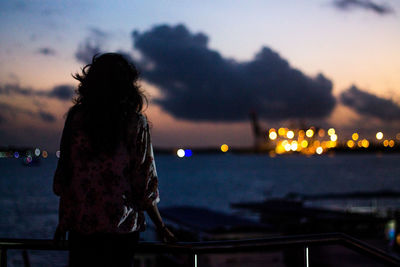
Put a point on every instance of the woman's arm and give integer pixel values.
(165, 234)
(63, 171)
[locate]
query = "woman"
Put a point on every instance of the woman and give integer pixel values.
(106, 176)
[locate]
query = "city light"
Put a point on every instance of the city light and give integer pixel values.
(331, 131)
(273, 135)
(188, 153)
(290, 134)
(294, 146)
(321, 133)
(304, 143)
(180, 153)
(365, 143)
(288, 147)
(224, 148)
(308, 141)
(350, 143)
(391, 143)
(386, 143)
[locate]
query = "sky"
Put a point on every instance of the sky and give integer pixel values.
(206, 65)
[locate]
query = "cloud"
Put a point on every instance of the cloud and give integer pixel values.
(91, 46)
(47, 51)
(10, 113)
(370, 105)
(46, 116)
(199, 84)
(381, 9)
(60, 92)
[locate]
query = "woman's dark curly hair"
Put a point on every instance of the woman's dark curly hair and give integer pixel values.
(109, 96)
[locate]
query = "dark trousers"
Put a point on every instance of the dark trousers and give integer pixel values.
(102, 249)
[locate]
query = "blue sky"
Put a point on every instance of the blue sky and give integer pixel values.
(354, 46)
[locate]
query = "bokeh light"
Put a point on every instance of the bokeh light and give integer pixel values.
(224, 148)
(273, 135)
(58, 154)
(294, 146)
(45, 154)
(331, 131)
(290, 134)
(386, 143)
(354, 136)
(379, 135)
(288, 147)
(350, 143)
(365, 143)
(333, 137)
(37, 152)
(304, 143)
(309, 133)
(188, 153)
(180, 153)
(391, 143)
(319, 150)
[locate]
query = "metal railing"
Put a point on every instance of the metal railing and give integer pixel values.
(303, 242)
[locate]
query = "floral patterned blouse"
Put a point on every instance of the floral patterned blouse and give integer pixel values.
(105, 193)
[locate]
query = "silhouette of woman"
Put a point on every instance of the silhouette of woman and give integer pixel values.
(106, 175)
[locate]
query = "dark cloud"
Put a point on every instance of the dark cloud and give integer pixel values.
(381, 9)
(47, 51)
(91, 46)
(10, 113)
(86, 51)
(46, 116)
(60, 92)
(370, 105)
(98, 33)
(199, 84)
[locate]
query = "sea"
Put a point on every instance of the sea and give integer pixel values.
(28, 207)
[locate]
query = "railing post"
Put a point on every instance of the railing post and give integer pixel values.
(25, 256)
(194, 261)
(3, 257)
(305, 251)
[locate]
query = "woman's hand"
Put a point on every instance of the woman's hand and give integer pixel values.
(60, 236)
(163, 232)
(166, 235)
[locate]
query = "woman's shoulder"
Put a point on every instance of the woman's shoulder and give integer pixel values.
(75, 114)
